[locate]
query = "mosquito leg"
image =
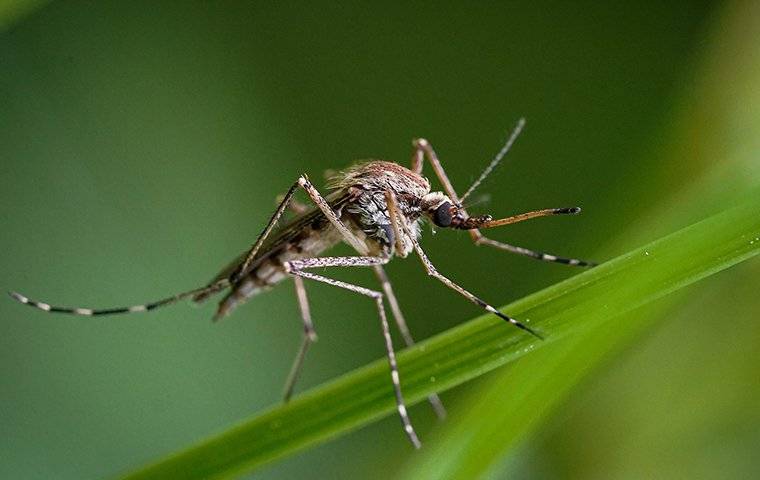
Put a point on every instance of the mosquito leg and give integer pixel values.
(296, 268)
(222, 283)
(546, 257)
(89, 312)
(422, 150)
(295, 206)
(322, 204)
(395, 309)
(242, 270)
(431, 270)
(434, 400)
(309, 337)
(319, 201)
(390, 201)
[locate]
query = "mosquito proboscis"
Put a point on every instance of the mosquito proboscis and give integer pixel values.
(376, 207)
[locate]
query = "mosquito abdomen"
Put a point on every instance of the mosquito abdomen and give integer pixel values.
(269, 270)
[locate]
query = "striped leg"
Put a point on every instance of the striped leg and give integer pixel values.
(297, 267)
(546, 257)
(480, 239)
(220, 283)
(423, 149)
(431, 270)
(207, 290)
(434, 400)
(228, 279)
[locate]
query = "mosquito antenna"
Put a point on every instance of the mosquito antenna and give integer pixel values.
(499, 156)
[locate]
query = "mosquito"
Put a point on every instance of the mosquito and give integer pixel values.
(377, 208)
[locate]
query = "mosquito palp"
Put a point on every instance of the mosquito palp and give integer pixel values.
(375, 207)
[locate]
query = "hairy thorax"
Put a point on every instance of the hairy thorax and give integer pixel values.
(367, 212)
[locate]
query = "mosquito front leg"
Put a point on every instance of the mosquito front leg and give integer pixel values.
(546, 257)
(434, 400)
(433, 272)
(423, 149)
(483, 240)
(297, 267)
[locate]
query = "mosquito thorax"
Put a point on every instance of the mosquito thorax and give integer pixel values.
(381, 175)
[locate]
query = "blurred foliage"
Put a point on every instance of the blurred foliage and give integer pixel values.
(143, 145)
(12, 11)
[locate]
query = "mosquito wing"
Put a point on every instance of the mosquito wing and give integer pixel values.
(283, 236)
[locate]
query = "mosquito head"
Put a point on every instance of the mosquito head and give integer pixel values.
(446, 214)
(442, 211)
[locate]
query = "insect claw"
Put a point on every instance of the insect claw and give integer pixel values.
(529, 330)
(535, 333)
(518, 324)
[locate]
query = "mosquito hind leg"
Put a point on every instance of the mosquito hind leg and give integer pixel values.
(145, 307)
(297, 267)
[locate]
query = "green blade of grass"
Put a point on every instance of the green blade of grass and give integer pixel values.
(478, 346)
(506, 411)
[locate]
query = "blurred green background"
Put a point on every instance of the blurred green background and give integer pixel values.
(143, 145)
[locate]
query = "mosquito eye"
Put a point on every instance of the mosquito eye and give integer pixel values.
(442, 216)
